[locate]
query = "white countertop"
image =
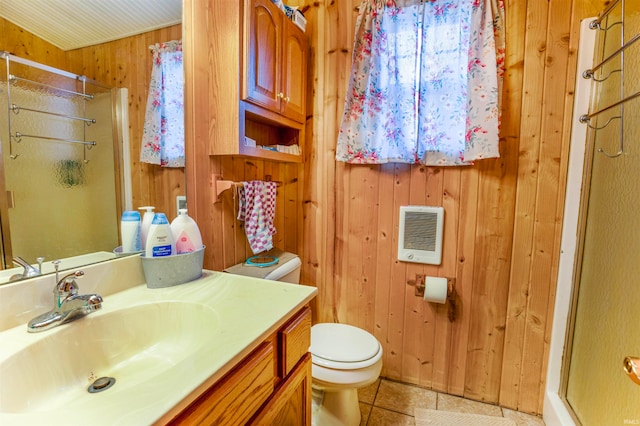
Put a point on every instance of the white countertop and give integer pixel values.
(246, 311)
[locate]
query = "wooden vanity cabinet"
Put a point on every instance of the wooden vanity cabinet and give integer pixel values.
(245, 68)
(270, 386)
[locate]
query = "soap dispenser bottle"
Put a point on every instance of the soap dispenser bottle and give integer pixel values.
(147, 218)
(186, 233)
(160, 239)
(130, 232)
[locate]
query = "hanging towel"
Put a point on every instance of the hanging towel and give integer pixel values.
(257, 208)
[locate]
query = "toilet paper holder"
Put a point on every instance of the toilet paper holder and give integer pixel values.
(419, 284)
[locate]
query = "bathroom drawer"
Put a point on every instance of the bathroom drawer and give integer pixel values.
(294, 340)
(240, 393)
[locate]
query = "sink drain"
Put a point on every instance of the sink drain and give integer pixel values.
(101, 384)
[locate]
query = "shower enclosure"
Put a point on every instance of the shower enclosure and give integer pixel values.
(59, 175)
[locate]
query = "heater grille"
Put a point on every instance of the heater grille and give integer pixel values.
(420, 234)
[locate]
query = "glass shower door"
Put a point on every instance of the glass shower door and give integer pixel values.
(607, 314)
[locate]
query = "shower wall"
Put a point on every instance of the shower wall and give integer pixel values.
(61, 195)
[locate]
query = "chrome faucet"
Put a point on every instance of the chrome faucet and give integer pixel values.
(29, 270)
(67, 304)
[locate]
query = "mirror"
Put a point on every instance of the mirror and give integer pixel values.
(59, 158)
(60, 222)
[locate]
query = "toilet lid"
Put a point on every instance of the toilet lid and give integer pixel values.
(342, 343)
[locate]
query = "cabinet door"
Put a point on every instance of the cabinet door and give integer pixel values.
(264, 72)
(291, 404)
(238, 395)
(294, 75)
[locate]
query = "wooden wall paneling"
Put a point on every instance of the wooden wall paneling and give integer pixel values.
(535, 56)
(138, 85)
(548, 209)
(394, 343)
(151, 184)
(361, 236)
(494, 225)
(443, 343)
(426, 189)
(19, 42)
(301, 240)
(341, 259)
(313, 223)
(224, 217)
(464, 274)
(387, 238)
(494, 234)
(199, 167)
(290, 207)
(324, 170)
(235, 227)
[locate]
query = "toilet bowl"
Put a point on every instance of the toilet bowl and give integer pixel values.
(344, 358)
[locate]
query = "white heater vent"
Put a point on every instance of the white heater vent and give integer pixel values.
(420, 238)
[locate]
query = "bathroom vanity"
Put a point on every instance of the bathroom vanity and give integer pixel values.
(271, 385)
(223, 349)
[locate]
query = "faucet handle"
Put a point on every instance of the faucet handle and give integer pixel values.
(67, 284)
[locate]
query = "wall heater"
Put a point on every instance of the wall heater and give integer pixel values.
(420, 234)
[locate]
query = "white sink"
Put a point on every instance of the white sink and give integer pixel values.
(163, 346)
(132, 345)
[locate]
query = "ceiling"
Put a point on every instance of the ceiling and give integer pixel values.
(71, 24)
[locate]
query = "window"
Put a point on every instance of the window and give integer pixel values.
(425, 83)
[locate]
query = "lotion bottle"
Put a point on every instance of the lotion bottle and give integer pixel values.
(147, 218)
(160, 239)
(186, 233)
(130, 232)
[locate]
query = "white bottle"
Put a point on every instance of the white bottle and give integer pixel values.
(147, 218)
(130, 232)
(186, 233)
(160, 240)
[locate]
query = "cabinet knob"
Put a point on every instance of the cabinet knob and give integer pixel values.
(283, 97)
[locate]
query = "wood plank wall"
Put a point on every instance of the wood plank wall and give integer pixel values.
(503, 217)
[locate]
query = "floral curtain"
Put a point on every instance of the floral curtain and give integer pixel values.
(163, 137)
(426, 83)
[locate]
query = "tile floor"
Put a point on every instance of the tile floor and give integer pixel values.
(387, 402)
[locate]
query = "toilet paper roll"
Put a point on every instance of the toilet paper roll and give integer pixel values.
(435, 289)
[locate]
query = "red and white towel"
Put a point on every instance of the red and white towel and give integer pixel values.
(257, 208)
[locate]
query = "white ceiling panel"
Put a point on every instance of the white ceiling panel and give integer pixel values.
(71, 24)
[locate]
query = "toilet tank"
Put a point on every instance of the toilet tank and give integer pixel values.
(282, 266)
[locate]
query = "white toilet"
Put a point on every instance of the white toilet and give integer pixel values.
(344, 358)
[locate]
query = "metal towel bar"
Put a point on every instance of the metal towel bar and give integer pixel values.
(16, 109)
(18, 136)
(590, 74)
(12, 79)
(37, 83)
(586, 117)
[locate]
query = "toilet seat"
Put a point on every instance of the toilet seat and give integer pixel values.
(343, 347)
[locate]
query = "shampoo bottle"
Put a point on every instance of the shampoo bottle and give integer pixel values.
(186, 233)
(147, 218)
(160, 240)
(130, 232)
